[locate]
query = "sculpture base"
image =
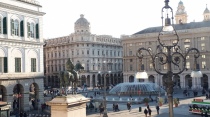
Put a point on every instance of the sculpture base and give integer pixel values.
(68, 106)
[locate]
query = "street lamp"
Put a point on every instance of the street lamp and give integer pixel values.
(104, 101)
(168, 53)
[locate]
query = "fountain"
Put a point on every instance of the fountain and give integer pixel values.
(137, 88)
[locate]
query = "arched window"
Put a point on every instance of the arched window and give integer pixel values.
(32, 29)
(14, 27)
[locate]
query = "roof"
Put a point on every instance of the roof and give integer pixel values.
(206, 10)
(191, 25)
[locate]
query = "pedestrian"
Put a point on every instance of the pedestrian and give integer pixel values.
(24, 115)
(21, 114)
(129, 106)
(86, 95)
(157, 108)
(207, 96)
(145, 112)
(95, 94)
(96, 106)
(206, 115)
(150, 112)
(101, 109)
(113, 106)
(117, 107)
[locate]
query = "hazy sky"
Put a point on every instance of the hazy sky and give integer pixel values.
(111, 17)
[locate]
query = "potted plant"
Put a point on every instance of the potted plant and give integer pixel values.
(176, 102)
(160, 101)
(146, 101)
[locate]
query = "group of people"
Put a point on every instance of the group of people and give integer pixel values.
(116, 107)
(147, 111)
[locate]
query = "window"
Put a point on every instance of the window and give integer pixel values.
(131, 67)
(203, 63)
(164, 66)
(14, 27)
(130, 53)
(77, 52)
(5, 25)
(131, 60)
(3, 64)
(202, 38)
(72, 53)
(188, 65)
(186, 47)
(203, 56)
(187, 57)
(150, 66)
(93, 52)
(31, 30)
(82, 51)
(202, 46)
(88, 52)
(17, 64)
(0, 25)
(33, 64)
(98, 52)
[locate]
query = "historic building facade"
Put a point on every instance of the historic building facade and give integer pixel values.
(98, 54)
(21, 53)
(193, 34)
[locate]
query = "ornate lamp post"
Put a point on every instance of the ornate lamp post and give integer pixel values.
(104, 101)
(172, 56)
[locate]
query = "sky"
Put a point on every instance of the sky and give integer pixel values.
(111, 17)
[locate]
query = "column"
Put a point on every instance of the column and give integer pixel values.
(182, 81)
(91, 80)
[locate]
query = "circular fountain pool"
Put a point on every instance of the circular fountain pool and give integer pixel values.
(136, 88)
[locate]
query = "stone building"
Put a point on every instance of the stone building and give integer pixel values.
(193, 34)
(21, 53)
(98, 54)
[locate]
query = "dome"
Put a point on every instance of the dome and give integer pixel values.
(180, 3)
(135, 87)
(206, 10)
(82, 22)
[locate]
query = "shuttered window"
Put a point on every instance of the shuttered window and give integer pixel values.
(17, 64)
(5, 25)
(33, 64)
(37, 31)
(5, 65)
(22, 29)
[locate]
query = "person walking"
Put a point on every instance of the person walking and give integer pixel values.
(101, 109)
(113, 106)
(96, 106)
(129, 106)
(157, 108)
(150, 112)
(145, 112)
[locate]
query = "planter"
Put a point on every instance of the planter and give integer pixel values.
(160, 104)
(176, 105)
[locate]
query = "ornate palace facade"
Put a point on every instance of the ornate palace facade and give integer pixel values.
(193, 34)
(21, 53)
(98, 54)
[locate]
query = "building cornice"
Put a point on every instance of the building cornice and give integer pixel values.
(17, 8)
(20, 42)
